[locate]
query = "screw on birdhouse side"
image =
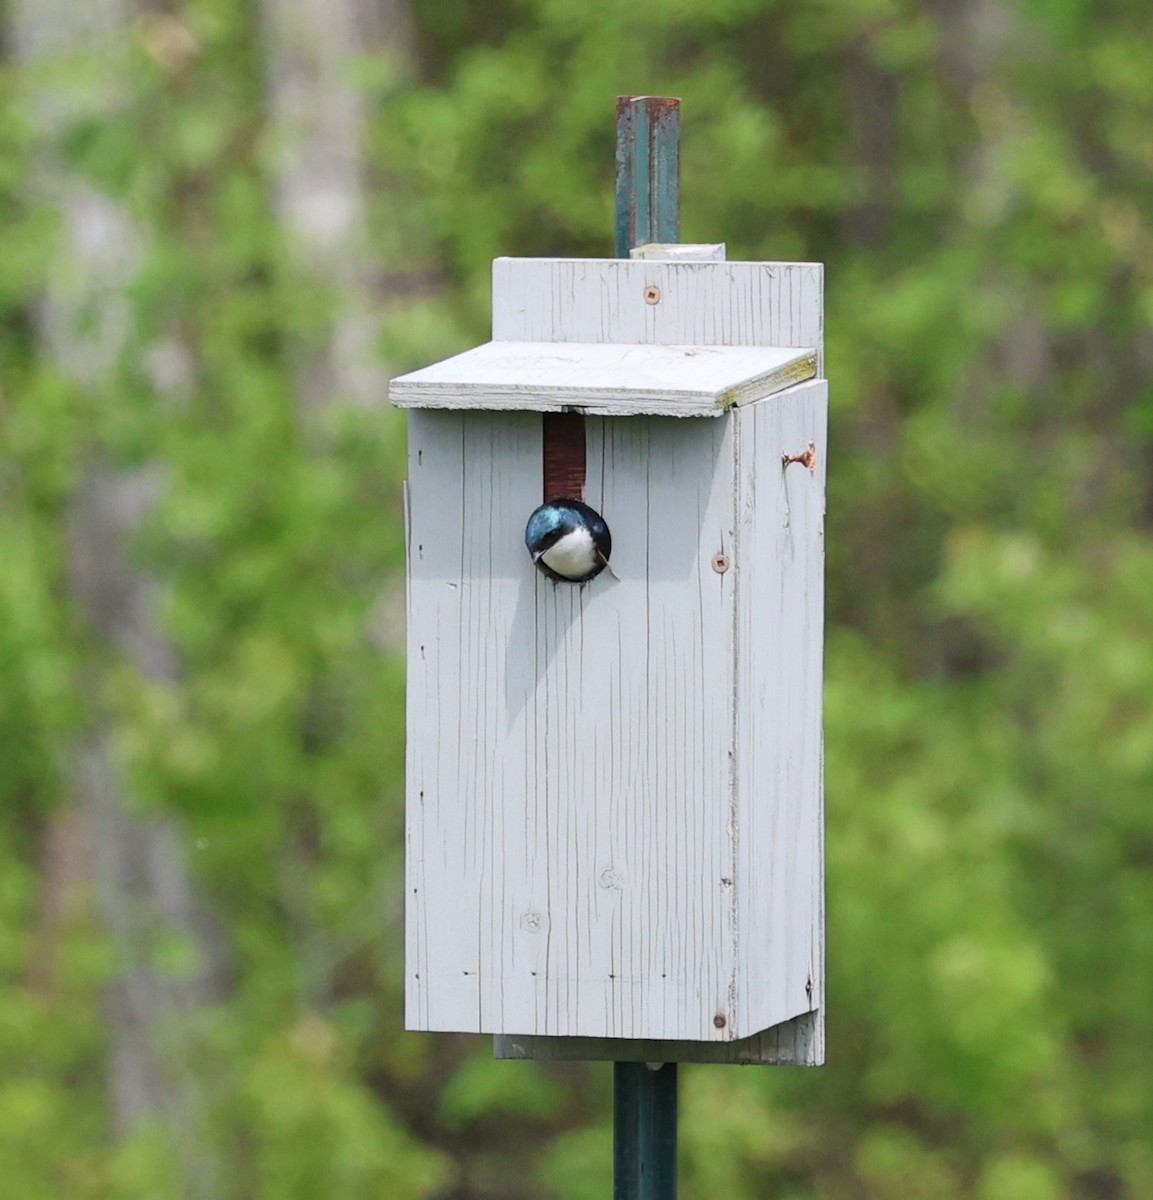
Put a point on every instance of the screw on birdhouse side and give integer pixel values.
(652, 294)
(807, 459)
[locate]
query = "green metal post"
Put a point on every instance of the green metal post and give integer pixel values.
(648, 171)
(644, 1131)
(648, 209)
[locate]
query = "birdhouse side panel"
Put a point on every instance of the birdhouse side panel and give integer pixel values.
(780, 607)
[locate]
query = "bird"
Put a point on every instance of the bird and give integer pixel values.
(568, 541)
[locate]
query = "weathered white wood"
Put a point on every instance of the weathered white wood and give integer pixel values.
(796, 1043)
(569, 777)
(779, 565)
(615, 790)
(597, 848)
(465, 500)
(680, 251)
(701, 303)
(611, 379)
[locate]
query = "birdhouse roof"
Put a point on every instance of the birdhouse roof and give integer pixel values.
(612, 379)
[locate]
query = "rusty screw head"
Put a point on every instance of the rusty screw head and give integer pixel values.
(652, 295)
(807, 459)
(719, 1021)
(720, 563)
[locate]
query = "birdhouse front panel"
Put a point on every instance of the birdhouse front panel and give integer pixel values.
(614, 792)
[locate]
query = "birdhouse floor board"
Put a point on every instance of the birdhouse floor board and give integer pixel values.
(796, 1043)
(610, 379)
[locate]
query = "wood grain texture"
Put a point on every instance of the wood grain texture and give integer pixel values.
(464, 587)
(615, 811)
(611, 379)
(701, 304)
(778, 802)
(614, 789)
(568, 747)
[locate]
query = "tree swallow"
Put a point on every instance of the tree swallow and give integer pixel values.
(568, 541)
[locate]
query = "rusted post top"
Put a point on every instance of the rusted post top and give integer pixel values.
(648, 171)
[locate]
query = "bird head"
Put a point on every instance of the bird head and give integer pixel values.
(568, 541)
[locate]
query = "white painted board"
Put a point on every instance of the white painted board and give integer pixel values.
(701, 303)
(681, 251)
(778, 746)
(568, 753)
(607, 378)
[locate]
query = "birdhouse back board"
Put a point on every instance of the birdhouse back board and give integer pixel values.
(658, 303)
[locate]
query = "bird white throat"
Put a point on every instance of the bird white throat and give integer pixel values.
(573, 555)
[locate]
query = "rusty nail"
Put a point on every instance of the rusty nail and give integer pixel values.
(808, 459)
(720, 563)
(652, 295)
(719, 1021)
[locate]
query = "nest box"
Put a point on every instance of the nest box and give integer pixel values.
(614, 796)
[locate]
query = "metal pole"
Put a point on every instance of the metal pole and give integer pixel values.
(648, 171)
(648, 209)
(644, 1131)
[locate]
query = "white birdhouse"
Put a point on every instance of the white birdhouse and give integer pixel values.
(614, 795)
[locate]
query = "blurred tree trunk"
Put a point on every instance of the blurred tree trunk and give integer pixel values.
(981, 34)
(133, 859)
(324, 198)
(322, 180)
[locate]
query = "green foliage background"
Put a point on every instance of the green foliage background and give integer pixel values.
(979, 181)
